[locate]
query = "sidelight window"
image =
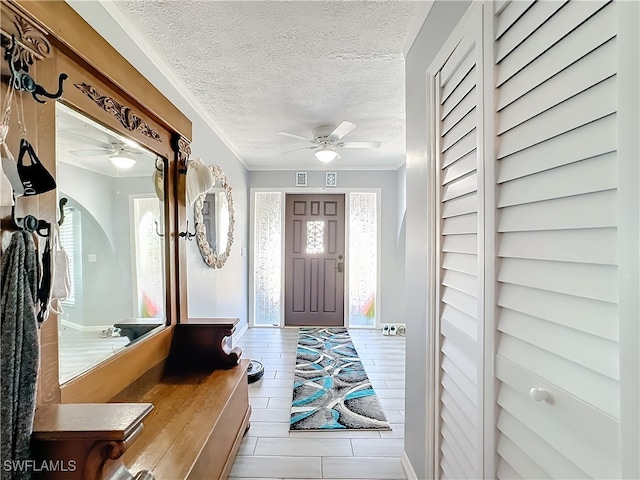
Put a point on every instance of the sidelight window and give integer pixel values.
(267, 258)
(363, 258)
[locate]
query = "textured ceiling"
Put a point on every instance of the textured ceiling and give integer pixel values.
(269, 66)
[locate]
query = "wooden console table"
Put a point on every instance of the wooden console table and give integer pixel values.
(201, 344)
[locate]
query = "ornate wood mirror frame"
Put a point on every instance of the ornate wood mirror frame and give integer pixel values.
(53, 39)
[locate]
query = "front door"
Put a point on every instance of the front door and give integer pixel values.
(314, 260)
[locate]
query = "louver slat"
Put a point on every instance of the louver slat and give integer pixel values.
(551, 32)
(588, 106)
(536, 15)
(511, 13)
(596, 67)
(584, 39)
(593, 139)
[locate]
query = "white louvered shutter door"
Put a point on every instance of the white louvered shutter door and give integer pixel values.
(458, 115)
(556, 175)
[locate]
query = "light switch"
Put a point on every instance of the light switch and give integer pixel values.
(243, 252)
(92, 258)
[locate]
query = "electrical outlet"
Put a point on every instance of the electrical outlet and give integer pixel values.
(243, 252)
(92, 258)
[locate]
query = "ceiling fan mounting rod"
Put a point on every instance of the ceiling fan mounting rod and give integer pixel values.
(322, 132)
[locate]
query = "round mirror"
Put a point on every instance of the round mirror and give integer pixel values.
(214, 217)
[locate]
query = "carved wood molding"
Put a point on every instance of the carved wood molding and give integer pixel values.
(30, 37)
(182, 148)
(99, 454)
(124, 114)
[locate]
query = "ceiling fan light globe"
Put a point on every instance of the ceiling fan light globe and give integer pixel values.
(326, 155)
(121, 162)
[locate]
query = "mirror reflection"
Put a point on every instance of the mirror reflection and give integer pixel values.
(214, 216)
(113, 235)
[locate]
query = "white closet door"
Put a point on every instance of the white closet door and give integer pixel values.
(458, 115)
(557, 240)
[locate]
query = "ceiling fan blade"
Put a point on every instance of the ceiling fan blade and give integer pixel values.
(341, 130)
(76, 137)
(297, 137)
(298, 149)
(91, 153)
(360, 144)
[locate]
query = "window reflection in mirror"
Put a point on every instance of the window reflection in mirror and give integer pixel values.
(113, 235)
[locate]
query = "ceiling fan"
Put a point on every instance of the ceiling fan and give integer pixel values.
(120, 153)
(326, 138)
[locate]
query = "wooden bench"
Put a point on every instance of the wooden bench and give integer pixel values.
(196, 426)
(183, 419)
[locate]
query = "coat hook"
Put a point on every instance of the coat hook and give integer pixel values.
(187, 234)
(158, 229)
(24, 81)
(30, 223)
(63, 201)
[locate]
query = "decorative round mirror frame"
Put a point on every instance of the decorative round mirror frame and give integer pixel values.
(209, 255)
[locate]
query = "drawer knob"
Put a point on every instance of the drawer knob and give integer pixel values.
(539, 394)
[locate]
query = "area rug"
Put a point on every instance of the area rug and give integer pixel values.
(331, 389)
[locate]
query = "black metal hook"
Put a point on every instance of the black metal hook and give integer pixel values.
(158, 229)
(63, 201)
(30, 223)
(187, 234)
(21, 80)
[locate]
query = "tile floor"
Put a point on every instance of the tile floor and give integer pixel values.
(269, 450)
(80, 351)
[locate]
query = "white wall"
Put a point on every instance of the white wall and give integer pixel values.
(392, 266)
(401, 238)
(210, 292)
(442, 18)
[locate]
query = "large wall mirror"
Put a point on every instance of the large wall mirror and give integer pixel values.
(215, 221)
(113, 233)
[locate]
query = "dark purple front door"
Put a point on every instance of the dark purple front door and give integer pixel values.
(314, 260)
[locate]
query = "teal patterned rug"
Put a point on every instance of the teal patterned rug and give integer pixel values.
(331, 389)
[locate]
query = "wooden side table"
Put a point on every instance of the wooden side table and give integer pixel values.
(201, 344)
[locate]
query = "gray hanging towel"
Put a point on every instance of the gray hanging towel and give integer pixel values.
(19, 353)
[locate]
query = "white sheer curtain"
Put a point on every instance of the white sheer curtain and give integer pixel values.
(267, 258)
(363, 258)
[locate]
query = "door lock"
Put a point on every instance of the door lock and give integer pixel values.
(340, 267)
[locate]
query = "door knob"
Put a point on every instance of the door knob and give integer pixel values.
(340, 267)
(539, 394)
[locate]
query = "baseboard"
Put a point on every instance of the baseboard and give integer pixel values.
(83, 328)
(408, 469)
(239, 333)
